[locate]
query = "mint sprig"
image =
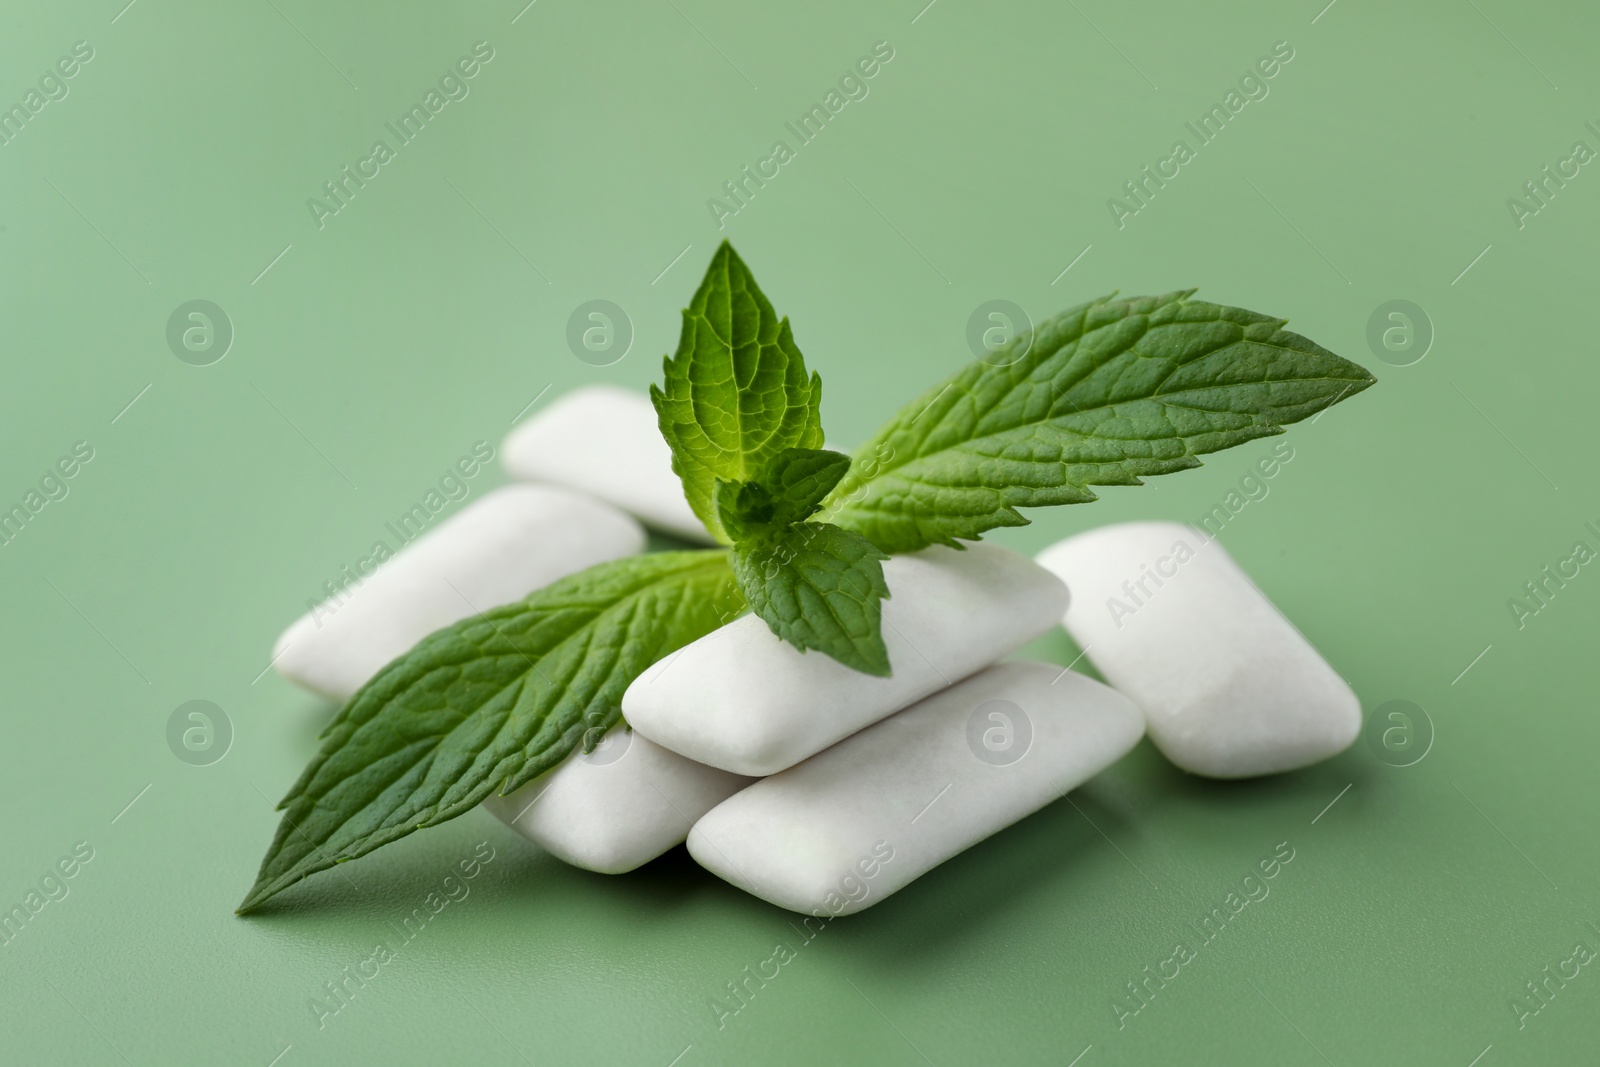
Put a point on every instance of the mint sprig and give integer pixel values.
(742, 416)
(1105, 394)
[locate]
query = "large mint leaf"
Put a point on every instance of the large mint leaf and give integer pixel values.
(1103, 394)
(737, 392)
(488, 704)
(818, 587)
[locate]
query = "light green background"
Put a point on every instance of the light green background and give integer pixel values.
(432, 309)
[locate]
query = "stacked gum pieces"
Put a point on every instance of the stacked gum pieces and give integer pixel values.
(800, 780)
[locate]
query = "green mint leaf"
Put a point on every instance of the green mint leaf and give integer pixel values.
(488, 704)
(789, 490)
(737, 392)
(819, 587)
(1104, 394)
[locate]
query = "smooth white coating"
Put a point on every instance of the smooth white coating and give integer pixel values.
(605, 441)
(851, 825)
(1230, 688)
(621, 805)
(497, 549)
(743, 700)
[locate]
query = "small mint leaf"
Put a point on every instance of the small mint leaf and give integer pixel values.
(737, 392)
(788, 490)
(1104, 394)
(819, 587)
(488, 704)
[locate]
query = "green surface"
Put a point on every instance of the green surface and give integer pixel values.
(433, 307)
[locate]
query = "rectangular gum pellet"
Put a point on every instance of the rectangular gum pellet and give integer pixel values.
(620, 805)
(1230, 688)
(605, 441)
(743, 700)
(855, 823)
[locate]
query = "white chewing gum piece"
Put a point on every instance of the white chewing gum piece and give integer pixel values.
(497, 549)
(606, 442)
(1229, 687)
(742, 699)
(616, 807)
(853, 824)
